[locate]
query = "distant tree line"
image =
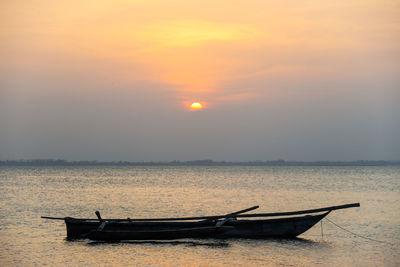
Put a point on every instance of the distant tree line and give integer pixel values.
(207, 162)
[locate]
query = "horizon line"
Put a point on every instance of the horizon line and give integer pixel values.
(204, 162)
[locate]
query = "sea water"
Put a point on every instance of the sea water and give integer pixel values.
(26, 193)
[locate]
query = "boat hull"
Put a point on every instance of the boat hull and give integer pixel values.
(288, 227)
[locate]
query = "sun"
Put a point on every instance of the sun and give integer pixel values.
(196, 106)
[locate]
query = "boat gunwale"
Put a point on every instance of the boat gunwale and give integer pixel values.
(71, 220)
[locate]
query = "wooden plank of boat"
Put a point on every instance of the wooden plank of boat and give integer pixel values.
(158, 234)
(79, 228)
(223, 216)
(100, 233)
(288, 227)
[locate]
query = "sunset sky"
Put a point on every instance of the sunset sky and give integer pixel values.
(115, 80)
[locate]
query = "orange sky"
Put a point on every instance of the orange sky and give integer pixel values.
(198, 48)
(225, 54)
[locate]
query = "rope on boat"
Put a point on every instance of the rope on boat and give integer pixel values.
(322, 231)
(365, 237)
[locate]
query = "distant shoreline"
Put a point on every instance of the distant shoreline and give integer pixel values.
(60, 162)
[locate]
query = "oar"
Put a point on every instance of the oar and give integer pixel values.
(102, 222)
(230, 215)
(215, 217)
(300, 211)
(240, 211)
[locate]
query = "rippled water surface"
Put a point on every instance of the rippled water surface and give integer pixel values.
(26, 193)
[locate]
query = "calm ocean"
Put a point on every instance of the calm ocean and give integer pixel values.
(26, 193)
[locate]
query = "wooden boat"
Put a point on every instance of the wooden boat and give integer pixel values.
(286, 225)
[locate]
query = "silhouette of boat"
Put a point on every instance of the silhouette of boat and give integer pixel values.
(232, 225)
